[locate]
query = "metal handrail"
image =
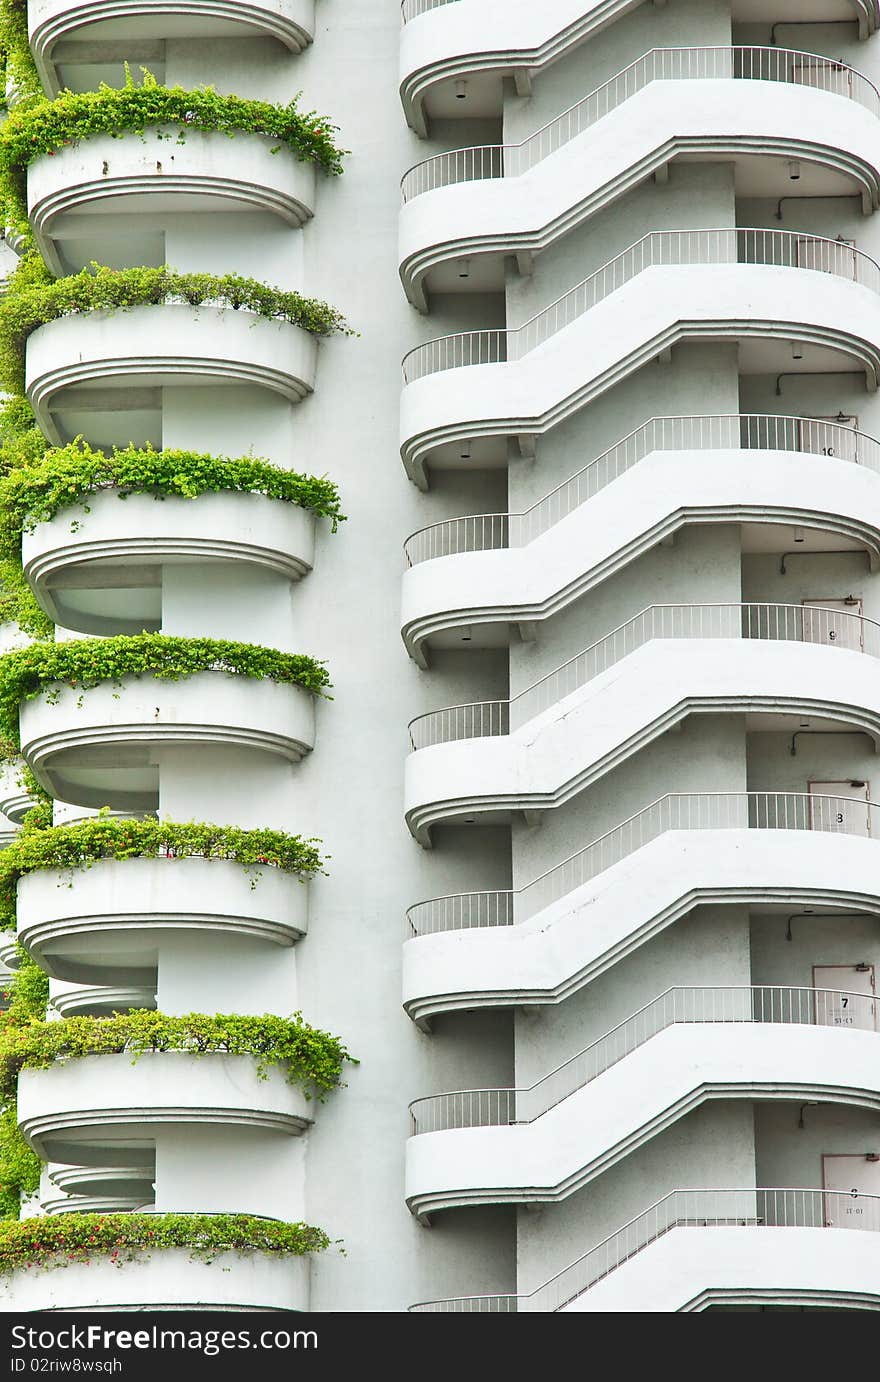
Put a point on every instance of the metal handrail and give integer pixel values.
(795, 1006)
(707, 1208)
(674, 811)
(711, 432)
(411, 9)
(769, 64)
(770, 622)
(659, 248)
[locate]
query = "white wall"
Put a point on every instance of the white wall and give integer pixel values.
(706, 754)
(789, 1155)
(683, 23)
(712, 1147)
(710, 949)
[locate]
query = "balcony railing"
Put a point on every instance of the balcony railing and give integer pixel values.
(660, 248)
(675, 811)
(768, 622)
(486, 532)
(681, 1209)
(411, 9)
(481, 1108)
(660, 64)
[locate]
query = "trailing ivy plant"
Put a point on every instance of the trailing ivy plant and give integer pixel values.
(311, 1059)
(69, 475)
(78, 846)
(100, 289)
(85, 663)
(19, 62)
(121, 1238)
(40, 815)
(103, 836)
(37, 129)
(20, 1166)
(21, 441)
(28, 992)
(18, 604)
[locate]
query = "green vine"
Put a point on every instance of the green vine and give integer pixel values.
(100, 289)
(21, 441)
(40, 815)
(312, 1059)
(28, 992)
(69, 475)
(14, 45)
(85, 663)
(21, 444)
(39, 129)
(18, 604)
(84, 843)
(121, 1238)
(20, 1167)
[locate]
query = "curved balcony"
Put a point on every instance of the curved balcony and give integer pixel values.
(66, 813)
(168, 1279)
(454, 53)
(94, 186)
(744, 285)
(79, 1000)
(100, 746)
(89, 1204)
(787, 1247)
(10, 959)
(490, 569)
(107, 1182)
(104, 925)
(106, 1111)
(96, 1189)
(99, 569)
(494, 200)
(119, 362)
(589, 715)
(544, 1143)
(63, 32)
(14, 800)
(59, 1203)
(541, 944)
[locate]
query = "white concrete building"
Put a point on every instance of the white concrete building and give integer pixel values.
(607, 916)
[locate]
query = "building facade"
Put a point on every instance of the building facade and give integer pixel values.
(598, 912)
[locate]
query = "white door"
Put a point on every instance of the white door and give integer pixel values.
(829, 256)
(839, 438)
(824, 73)
(850, 1178)
(847, 813)
(845, 996)
(836, 622)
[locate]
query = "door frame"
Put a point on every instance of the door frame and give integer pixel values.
(834, 1156)
(848, 419)
(843, 782)
(816, 602)
(873, 997)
